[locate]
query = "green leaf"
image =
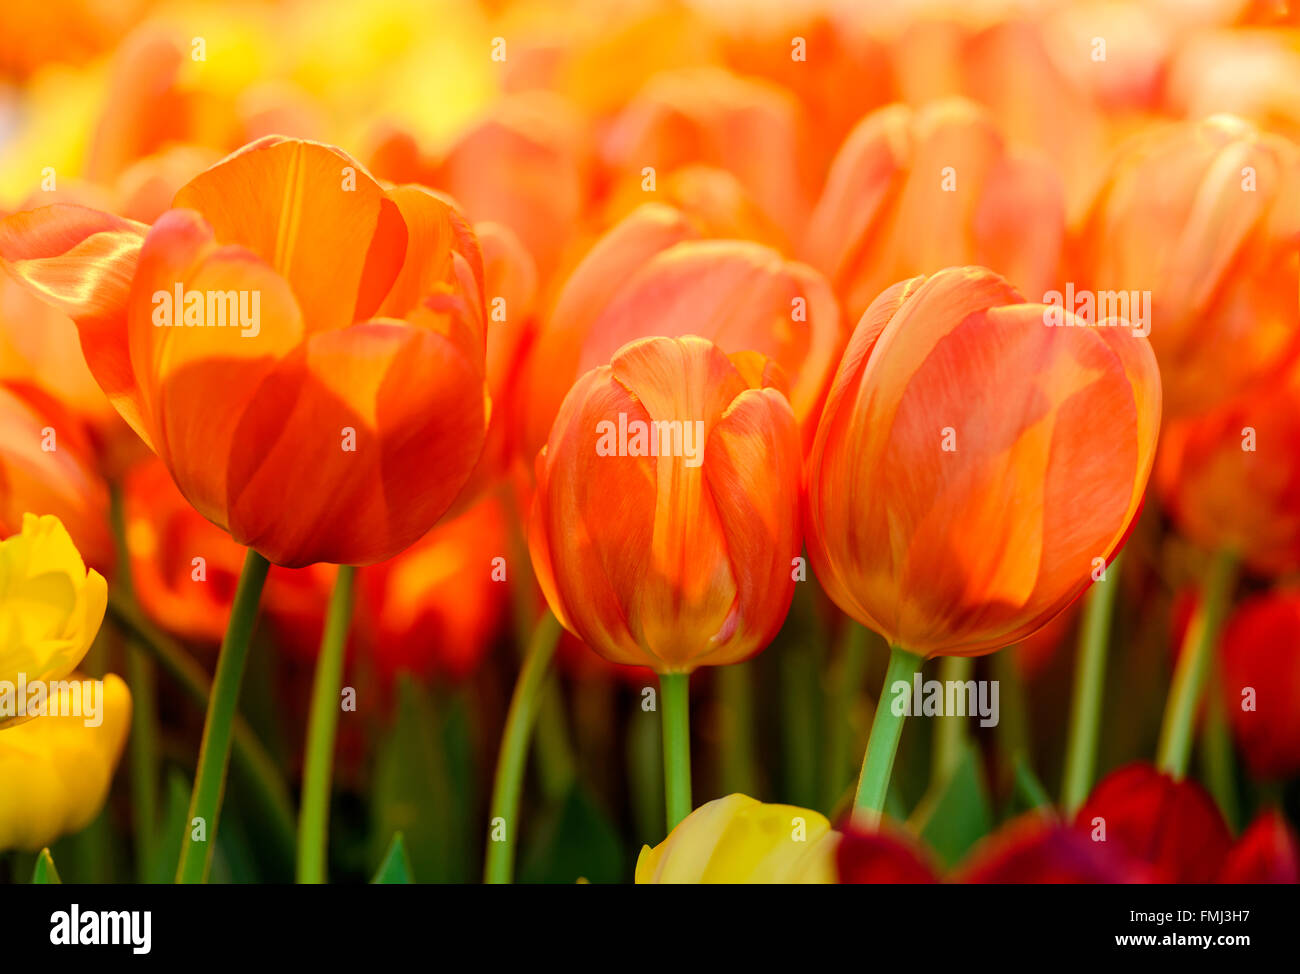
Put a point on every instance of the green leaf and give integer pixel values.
(166, 849)
(1029, 791)
(574, 840)
(45, 874)
(957, 813)
(419, 788)
(396, 867)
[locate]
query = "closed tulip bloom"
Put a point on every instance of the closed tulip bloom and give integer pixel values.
(652, 274)
(51, 606)
(959, 436)
(1267, 852)
(1171, 827)
(739, 840)
(1260, 681)
(1038, 849)
(684, 558)
(1230, 477)
(1206, 217)
(57, 769)
(913, 191)
(302, 348)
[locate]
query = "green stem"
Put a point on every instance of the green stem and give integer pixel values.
(214, 752)
(249, 756)
(951, 731)
(322, 725)
(1175, 747)
(882, 745)
(145, 761)
(736, 695)
(1089, 683)
(848, 688)
(1220, 765)
(674, 698)
(509, 781)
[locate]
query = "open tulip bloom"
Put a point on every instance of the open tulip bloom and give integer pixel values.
(668, 442)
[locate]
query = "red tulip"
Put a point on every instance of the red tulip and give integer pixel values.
(1036, 849)
(1267, 852)
(1171, 826)
(1260, 681)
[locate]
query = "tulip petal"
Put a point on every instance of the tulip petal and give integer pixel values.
(306, 209)
(390, 415)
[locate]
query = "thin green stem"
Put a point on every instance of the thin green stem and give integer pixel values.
(509, 781)
(736, 697)
(882, 745)
(145, 761)
(1175, 747)
(950, 731)
(250, 758)
(1219, 760)
(1089, 683)
(847, 689)
(200, 837)
(674, 698)
(322, 725)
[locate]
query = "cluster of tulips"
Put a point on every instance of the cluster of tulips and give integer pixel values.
(420, 395)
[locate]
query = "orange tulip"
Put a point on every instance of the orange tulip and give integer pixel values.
(342, 417)
(652, 275)
(48, 466)
(672, 556)
(185, 568)
(914, 191)
(748, 127)
(973, 467)
(1231, 478)
(435, 608)
(1206, 217)
(525, 165)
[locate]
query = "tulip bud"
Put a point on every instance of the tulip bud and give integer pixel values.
(975, 470)
(739, 840)
(57, 769)
(665, 526)
(51, 607)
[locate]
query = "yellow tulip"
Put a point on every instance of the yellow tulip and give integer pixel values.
(51, 607)
(56, 770)
(740, 840)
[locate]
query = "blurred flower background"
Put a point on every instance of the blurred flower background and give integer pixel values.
(834, 233)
